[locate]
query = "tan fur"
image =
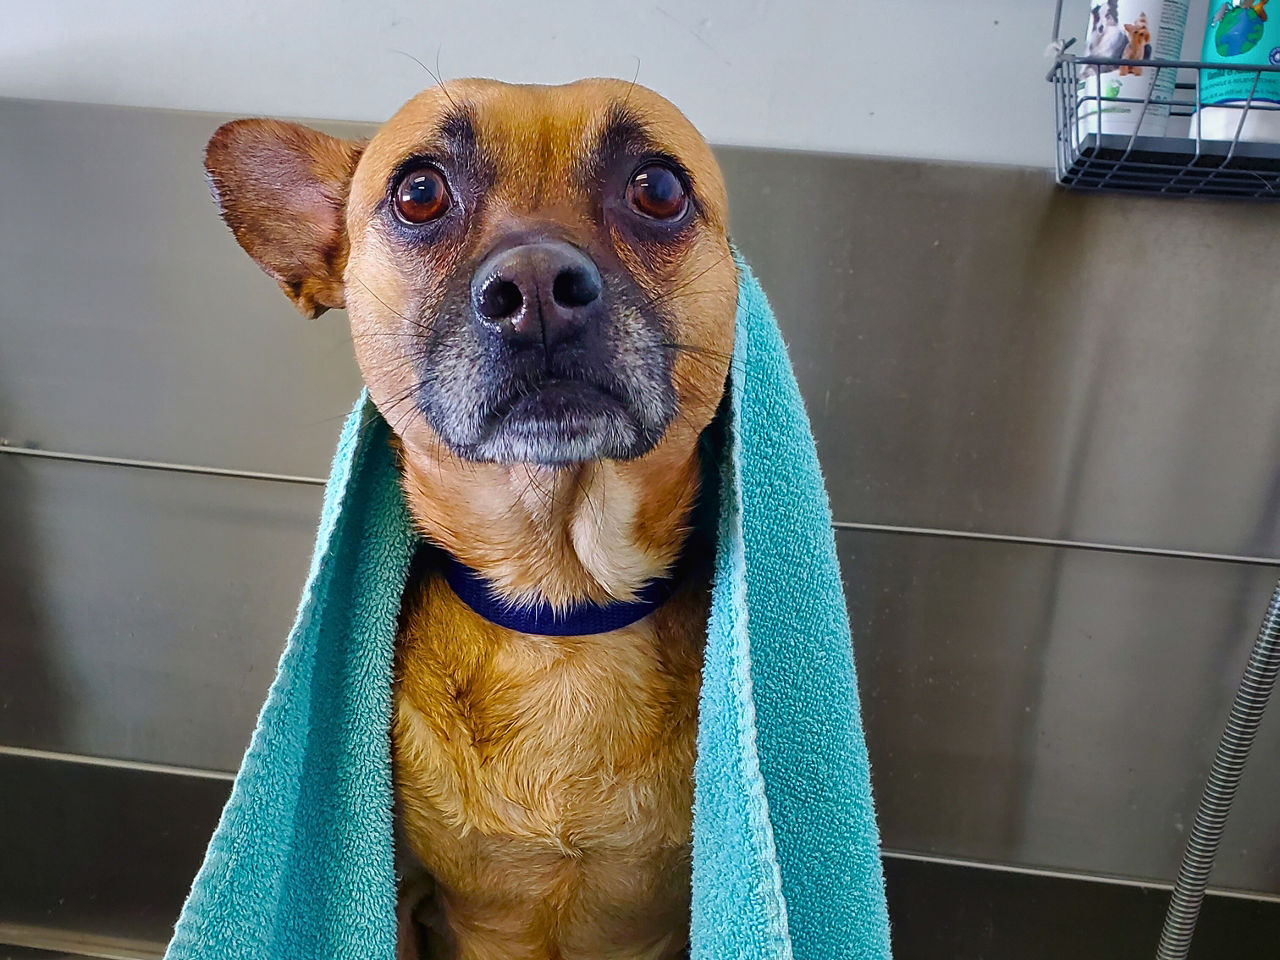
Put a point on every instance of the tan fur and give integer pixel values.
(282, 189)
(1139, 37)
(545, 783)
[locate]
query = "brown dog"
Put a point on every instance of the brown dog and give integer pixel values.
(1139, 46)
(541, 295)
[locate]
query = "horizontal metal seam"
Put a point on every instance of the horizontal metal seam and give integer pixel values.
(1061, 544)
(160, 465)
(1051, 874)
(939, 532)
(138, 766)
(70, 943)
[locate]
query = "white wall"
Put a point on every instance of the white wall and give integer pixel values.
(960, 80)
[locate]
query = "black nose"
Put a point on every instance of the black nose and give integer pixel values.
(536, 292)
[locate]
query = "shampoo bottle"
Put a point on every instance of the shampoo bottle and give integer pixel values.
(1129, 30)
(1240, 33)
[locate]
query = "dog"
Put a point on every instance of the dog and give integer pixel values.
(541, 295)
(1138, 47)
(1106, 37)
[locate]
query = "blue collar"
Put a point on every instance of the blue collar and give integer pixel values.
(592, 618)
(540, 619)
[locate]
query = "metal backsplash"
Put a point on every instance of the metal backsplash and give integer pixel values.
(983, 356)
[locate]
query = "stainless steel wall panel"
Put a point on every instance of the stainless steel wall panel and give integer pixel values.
(953, 912)
(1056, 708)
(143, 612)
(103, 853)
(982, 351)
(130, 322)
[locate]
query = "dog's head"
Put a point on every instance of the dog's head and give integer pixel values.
(533, 275)
(1139, 34)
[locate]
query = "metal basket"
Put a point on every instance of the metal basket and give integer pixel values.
(1183, 166)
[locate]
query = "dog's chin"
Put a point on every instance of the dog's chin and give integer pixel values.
(560, 424)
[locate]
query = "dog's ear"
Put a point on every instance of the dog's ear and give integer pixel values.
(282, 189)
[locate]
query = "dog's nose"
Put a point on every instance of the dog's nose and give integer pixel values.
(536, 292)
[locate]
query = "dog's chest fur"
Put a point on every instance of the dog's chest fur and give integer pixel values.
(546, 784)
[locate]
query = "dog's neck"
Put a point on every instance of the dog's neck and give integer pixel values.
(596, 531)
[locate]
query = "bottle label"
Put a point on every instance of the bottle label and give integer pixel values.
(1241, 33)
(1110, 98)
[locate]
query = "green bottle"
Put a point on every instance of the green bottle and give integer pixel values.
(1240, 33)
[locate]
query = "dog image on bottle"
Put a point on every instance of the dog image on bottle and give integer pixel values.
(1107, 38)
(1134, 90)
(1138, 47)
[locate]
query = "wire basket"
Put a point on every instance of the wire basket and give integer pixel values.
(1091, 157)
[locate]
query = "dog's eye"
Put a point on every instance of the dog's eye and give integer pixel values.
(422, 195)
(656, 191)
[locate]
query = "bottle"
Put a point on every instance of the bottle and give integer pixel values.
(1129, 30)
(1240, 33)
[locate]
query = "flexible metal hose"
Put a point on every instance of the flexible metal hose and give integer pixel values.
(1220, 789)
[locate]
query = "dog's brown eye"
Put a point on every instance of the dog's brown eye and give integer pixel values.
(422, 195)
(657, 191)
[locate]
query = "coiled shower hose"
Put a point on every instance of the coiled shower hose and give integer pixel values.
(1220, 789)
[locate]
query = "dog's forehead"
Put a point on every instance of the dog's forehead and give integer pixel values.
(529, 133)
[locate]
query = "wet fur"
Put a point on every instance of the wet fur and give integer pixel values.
(545, 785)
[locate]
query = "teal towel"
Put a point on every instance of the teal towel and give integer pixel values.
(786, 855)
